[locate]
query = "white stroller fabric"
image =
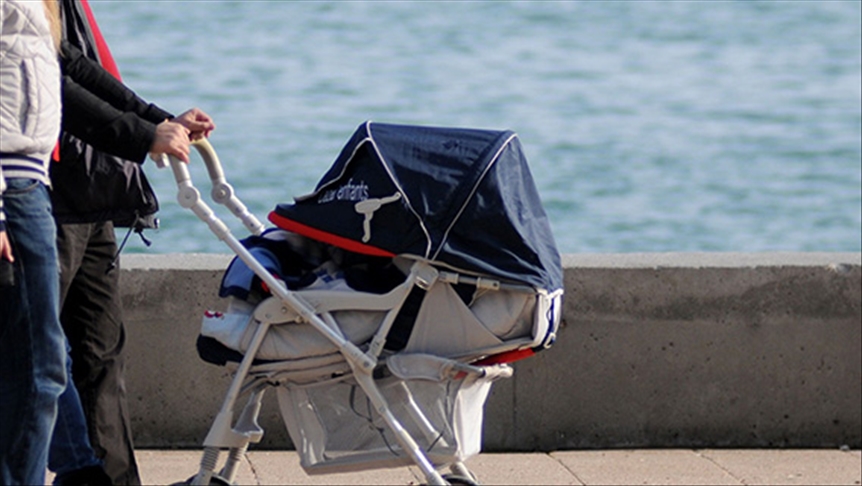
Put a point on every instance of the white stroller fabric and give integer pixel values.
(235, 327)
(335, 430)
(445, 326)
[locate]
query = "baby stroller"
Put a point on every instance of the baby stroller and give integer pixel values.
(382, 306)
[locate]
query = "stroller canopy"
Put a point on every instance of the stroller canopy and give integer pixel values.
(461, 197)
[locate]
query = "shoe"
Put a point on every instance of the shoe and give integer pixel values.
(87, 476)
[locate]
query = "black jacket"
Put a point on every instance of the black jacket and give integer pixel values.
(100, 109)
(100, 179)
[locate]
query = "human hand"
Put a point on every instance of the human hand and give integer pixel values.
(5, 247)
(197, 122)
(171, 139)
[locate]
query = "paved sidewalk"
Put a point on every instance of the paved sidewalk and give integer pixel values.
(660, 466)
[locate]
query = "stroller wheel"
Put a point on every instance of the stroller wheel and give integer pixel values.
(458, 479)
(215, 480)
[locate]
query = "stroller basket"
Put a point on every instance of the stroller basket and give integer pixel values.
(383, 305)
(336, 429)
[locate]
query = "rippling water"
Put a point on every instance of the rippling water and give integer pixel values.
(649, 126)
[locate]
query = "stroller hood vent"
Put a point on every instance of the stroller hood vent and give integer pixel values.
(461, 197)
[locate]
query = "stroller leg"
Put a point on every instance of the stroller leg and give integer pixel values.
(208, 465)
(404, 439)
(247, 426)
(221, 434)
(248, 429)
(460, 469)
(234, 457)
(432, 435)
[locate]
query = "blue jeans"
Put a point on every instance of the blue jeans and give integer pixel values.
(70, 448)
(32, 344)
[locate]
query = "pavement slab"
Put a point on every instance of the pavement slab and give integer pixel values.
(282, 467)
(683, 467)
(588, 467)
(789, 466)
(524, 468)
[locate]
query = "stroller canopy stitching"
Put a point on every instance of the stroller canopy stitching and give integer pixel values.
(472, 192)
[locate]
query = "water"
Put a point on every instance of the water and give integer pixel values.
(649, 126)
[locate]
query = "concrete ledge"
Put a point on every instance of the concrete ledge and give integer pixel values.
(658, 350)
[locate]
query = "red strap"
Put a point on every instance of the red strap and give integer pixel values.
(101, 46)
(507, 357)
(107, 60)
(502, 358)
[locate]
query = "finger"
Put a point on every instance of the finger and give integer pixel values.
(6, 250)
(180, 154)
(202, 117)
(202, 123)
(183, 134)
(178, 145)
(200, 129)
(183, 150)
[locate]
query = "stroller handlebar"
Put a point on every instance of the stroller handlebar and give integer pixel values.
(222, 192)
(189, 197)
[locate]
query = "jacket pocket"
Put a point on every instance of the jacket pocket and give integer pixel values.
(40, 106)
(13, 107)
(26, 109)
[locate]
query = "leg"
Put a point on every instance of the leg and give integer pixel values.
(92, 320)
(70, 452)
(32, 371)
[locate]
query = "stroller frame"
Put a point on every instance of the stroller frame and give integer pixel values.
(286, 307)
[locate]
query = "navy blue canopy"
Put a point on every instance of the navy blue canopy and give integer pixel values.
(461, 197)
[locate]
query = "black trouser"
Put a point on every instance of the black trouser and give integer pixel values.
(92, 319)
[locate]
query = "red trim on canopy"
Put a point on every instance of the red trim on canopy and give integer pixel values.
(507, 357)
(339, 241)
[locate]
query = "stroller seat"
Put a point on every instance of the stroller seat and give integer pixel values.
(454, 321)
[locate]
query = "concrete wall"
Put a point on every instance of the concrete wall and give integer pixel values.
(657, 350)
